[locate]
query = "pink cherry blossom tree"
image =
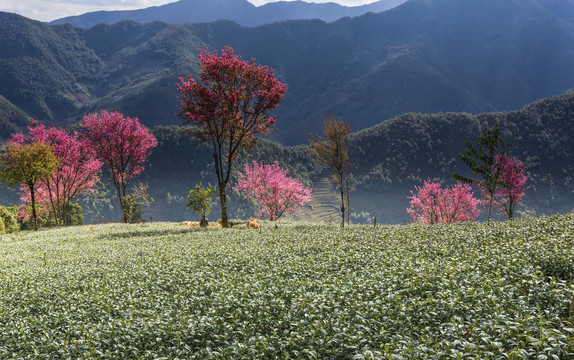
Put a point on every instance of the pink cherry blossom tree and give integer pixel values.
(511, 183)
(123, 144)
(228, 107)
(433, 205)
(76, 174)
(272, 189)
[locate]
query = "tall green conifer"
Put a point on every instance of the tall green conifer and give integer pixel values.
(481, 159)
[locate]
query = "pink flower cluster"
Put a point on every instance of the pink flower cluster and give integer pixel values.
(272, 189)
(122, 143)
(432, 204)
(232, 100)
(511, 183)
(78, 171)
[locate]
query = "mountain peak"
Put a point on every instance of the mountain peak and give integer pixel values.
(240, 11)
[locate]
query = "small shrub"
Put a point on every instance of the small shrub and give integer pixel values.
(75, 215)
(132, 210)
(9, 218)
(557, 266)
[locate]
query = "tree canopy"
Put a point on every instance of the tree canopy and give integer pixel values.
(228, 107)
(27, 163)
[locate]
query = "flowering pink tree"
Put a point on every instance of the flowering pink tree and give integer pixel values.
(76, 174)
(511, 183)
(433, 205)
(228, 107)
(272, 189)
(122, 143)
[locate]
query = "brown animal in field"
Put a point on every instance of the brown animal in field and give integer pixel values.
(252, 223)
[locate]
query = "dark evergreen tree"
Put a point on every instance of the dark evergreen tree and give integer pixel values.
(481, 159)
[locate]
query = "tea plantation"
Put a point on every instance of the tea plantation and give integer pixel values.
(161, 291)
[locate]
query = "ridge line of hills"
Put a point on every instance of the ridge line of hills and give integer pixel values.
(241, 12)
(423, 56)
(414, 82)
(390, 158)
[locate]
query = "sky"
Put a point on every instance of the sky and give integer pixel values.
(48, 10)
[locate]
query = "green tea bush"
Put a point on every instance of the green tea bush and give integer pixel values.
(233, 222)
(8, 216)
(162, 291)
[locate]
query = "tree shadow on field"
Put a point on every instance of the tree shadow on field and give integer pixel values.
(143, 233)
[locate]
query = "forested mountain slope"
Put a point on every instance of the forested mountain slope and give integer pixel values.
(389, 159)
(402, 152)
(424, 56)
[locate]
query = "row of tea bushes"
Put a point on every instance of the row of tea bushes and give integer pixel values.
(162, 291)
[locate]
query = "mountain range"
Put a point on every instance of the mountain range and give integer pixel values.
(241, 12)
(422, 56)
(415, 82)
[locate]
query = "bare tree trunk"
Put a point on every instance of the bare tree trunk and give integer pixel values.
(348, 207)
(223, 202)
(203, 223)
(490, 206)
(342, 207)
(348, 193)
(64, 213)
(121, 197)
(34, 214)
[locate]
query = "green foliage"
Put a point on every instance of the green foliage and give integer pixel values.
(481, 158)
(467, 291)
(27, 163)
(9, 218)
(132, 209)
(2, 226)
(201, 198)
(74, 217)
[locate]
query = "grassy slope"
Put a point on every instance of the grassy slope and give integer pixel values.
(159, 290)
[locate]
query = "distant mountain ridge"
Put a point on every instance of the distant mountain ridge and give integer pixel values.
(425, 56)
(392, 157)
(240, 11)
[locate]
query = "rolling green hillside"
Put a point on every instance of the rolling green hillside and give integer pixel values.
(151, 291)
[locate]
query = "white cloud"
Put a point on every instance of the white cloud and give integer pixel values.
(47, 10)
